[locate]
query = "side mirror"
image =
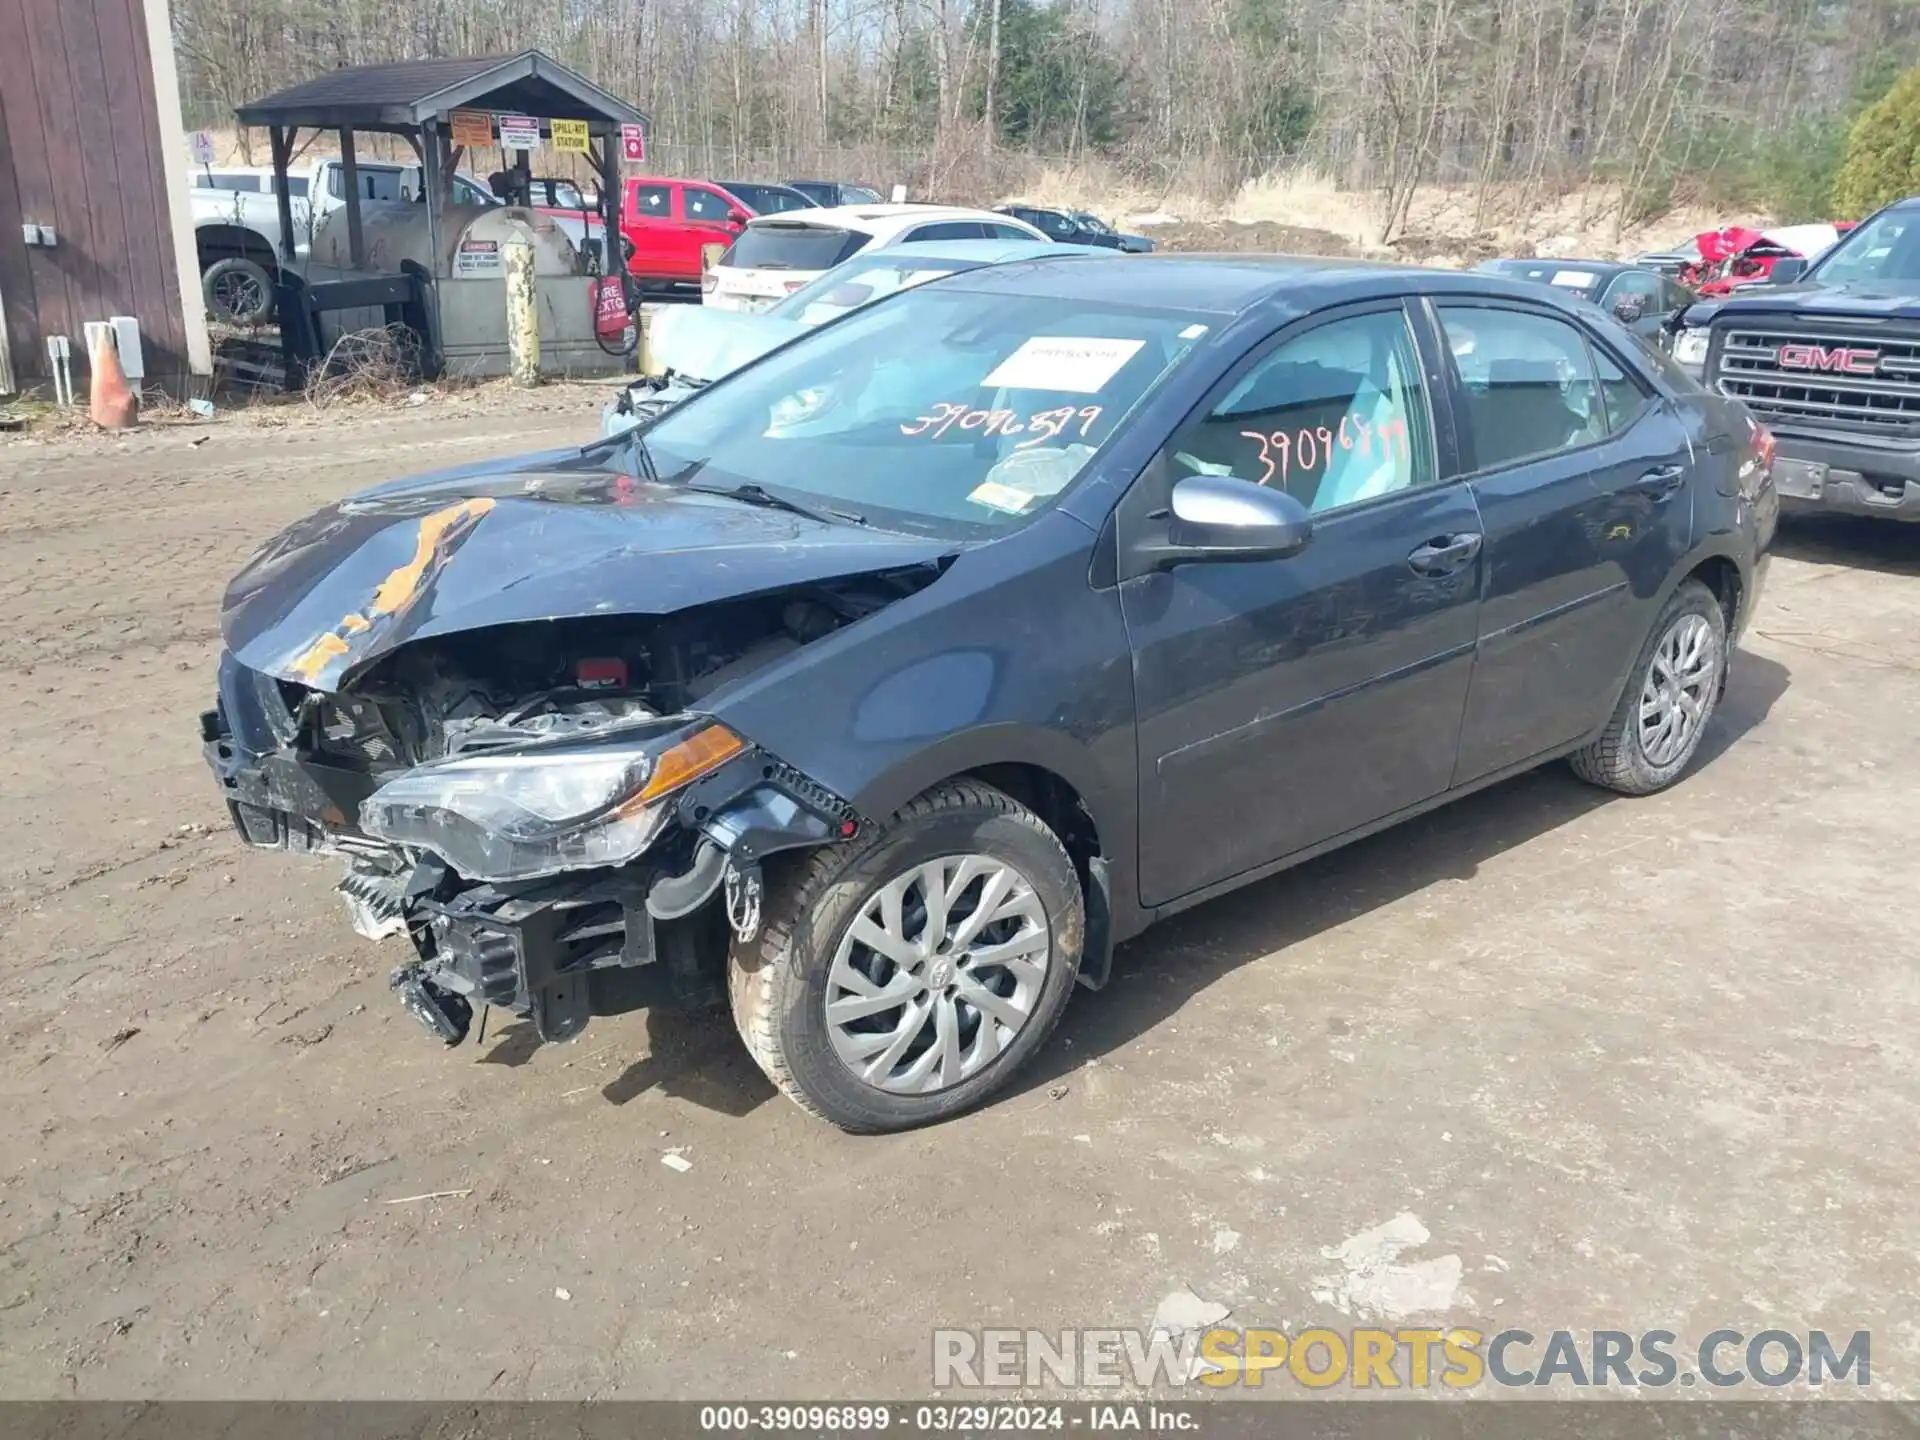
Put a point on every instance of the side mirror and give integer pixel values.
(1787, 269)
(737, 216)
(1217, 517)
(1629, 309)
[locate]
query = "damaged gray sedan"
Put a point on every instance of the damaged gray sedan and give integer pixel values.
(880, 688)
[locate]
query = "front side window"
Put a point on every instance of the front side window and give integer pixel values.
(651, 202)
(942, 411)
(705, 204)
(1335, 416)
(1528, 381)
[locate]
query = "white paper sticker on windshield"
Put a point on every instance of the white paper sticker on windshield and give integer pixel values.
(1578, 279)
(1062, 362)
(996, 496)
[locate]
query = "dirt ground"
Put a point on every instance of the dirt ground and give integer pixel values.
(1636, 1064)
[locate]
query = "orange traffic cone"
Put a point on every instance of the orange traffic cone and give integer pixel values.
(111, 400)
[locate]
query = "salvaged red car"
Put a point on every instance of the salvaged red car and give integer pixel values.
(1738, 256)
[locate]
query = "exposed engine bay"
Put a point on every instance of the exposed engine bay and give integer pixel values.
(541, 808)
(549, 680)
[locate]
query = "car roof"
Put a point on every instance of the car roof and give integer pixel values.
(879, 220)
(980, 252)
(1227, 284)
(1554, 262)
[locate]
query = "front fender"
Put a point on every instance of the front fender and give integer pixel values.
(1011, 657)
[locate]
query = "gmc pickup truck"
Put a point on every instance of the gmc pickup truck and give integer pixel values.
(1827, 356)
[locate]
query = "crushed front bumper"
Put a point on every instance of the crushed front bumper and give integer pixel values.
(555, 951)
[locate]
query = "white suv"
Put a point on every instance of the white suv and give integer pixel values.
(777, 254)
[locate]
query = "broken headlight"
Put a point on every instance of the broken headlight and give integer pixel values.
(524, 813)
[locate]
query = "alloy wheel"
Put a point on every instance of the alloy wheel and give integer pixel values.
(237, 295)
(1678, 691)
(937, 974)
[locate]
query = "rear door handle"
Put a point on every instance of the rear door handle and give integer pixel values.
(1661, 481)
(1445, 554)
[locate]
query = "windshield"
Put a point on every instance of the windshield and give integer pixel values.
(943, 411)
(859, 283)
(1887, 247)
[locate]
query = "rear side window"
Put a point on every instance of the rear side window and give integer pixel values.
(794, 247)
(945, 230)
(376, 184)
(296, 186)
(650, 202)
(1528, 381)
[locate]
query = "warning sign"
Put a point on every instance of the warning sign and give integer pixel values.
(472, 127)
(633, 144)
(568, 134)
(519, 132)
(476, 259)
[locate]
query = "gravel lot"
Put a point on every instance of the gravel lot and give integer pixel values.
(1637, 1064)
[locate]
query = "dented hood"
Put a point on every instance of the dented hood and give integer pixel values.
(496, 546)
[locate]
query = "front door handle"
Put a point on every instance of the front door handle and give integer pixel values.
(1445, 555)
(1661, 482)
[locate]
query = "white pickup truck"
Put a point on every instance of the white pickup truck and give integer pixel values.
(236, 216)
(236, 220)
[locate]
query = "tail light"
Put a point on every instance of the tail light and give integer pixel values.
(793, 285)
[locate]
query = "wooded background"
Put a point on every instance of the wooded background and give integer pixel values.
(1736, 102)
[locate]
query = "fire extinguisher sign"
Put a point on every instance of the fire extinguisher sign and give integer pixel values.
(633, 144)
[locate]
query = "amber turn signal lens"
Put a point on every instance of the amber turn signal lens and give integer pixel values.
(703, 751)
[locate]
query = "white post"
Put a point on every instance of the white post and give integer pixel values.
(523, 316)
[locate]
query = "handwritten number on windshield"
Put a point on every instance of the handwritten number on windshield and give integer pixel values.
(1042, 426)
(1284, 451)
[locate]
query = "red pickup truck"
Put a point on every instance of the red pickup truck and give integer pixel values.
(665, 223)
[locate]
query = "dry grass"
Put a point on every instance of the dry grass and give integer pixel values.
(1440, 228)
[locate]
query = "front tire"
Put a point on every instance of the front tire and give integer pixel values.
(1669, 699)
(905, 979)
(238, 291)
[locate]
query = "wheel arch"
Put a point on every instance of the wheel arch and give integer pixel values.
(1053, 776)
(226, 241)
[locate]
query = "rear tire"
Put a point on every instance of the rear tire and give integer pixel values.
(1668, 702)
(903, 1045)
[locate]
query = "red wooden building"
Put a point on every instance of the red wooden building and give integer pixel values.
(94, 170)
